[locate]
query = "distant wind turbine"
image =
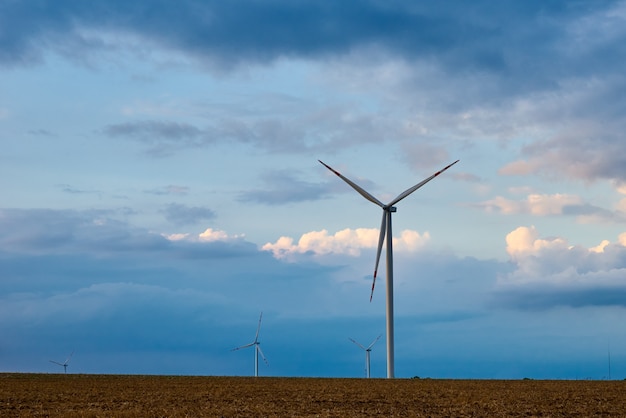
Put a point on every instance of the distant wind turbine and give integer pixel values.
(367, 353)
(64, 364)
(609, 352)
(257, 348)
(385, 231)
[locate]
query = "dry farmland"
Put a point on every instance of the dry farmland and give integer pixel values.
(58, 395)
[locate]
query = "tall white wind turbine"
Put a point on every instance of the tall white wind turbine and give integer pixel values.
(257, 348)
(385, 231)
(65, 363)
(367, 353)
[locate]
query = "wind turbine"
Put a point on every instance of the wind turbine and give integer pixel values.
(257, 349)
(385, 231)
(64, 364)
(367, 353)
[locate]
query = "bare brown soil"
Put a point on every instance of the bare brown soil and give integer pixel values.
(57, 395)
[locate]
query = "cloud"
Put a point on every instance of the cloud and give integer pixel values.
(461, 37)
(61, 231)
(412, 78)
(48, 232)
(553, 205)
(36, 258)
(347, 241)
(67, 188)
(90, 302)
(162, 137)
(535, 204)
(37, 132)
(184, 215)
(526, 79)
(288, 125)
(274, 29)
(211, 235)
(468, 177)
(525, 241)
(423, 155)
(551, 272)
(583, 143)
(282, 187)
(171, 189)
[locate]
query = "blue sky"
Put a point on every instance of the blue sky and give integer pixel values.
(160, 186)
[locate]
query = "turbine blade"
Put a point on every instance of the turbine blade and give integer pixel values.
(243, 346)
(258, 328)
(355, 186)
(69, 358)
(56, 362)
(418, 185)
(354, 341)
(258, 347)
(374, 342)
(381, 239)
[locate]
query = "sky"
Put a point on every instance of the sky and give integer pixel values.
(161, 186)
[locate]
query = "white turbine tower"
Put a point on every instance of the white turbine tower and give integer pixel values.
(367, 353)
(385, 231)
(64, 364)
(257, 348)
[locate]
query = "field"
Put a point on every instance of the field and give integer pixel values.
(58, 395)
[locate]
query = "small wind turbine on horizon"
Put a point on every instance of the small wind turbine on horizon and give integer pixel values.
(64, 364)
(609, 353)
(257, 349)
(367, 353)
(385, 231)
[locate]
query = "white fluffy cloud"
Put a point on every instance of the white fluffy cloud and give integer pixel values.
(347, 241)
(525, 241)
(209, 235)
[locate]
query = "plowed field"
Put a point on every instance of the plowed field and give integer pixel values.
(26, 395)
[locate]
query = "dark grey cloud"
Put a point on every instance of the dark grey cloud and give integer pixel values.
(504, 47)
(286, 132)
(594, 153)
(41, 132)
(162, 138)
(55, 232)
(104, 305)
(281, 187)
(466, 36)
(487, 58)
(556, 274)
(595, 212)
(186, 215)
(68, 188)
(549, 297)
(60, 231)
(153, 130)
(58, 289)
(171, 189)
(230, 31)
